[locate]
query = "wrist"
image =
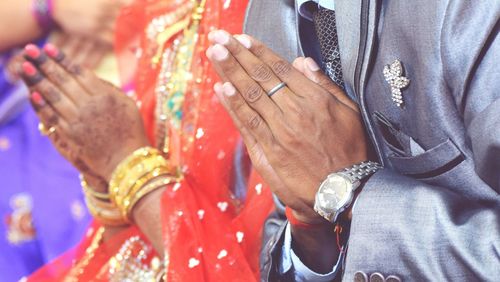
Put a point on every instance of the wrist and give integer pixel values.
(120, 156)
(305, 220)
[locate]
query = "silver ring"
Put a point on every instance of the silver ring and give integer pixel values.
(276, 89)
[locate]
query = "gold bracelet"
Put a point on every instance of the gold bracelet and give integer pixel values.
(129, 162)
(144, 171)
(103, 211)
(156, 183)
(136, 173)
(110, 217)
(124, 203)
(88, 190)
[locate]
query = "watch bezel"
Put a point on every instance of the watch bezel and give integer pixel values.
(331, 213)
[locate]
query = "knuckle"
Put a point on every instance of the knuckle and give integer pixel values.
(53, 73)
(237, 105)
(253, 92)
(236, 48)
(229, 66)
(279, 156)
(254, 122)
(261, 72)
(281, 67)
(289, 137)
(52, 95)
(258, 49)
(52, 119)
(75, 69)
(323, 80)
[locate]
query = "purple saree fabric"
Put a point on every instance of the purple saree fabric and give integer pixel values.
(42, 211)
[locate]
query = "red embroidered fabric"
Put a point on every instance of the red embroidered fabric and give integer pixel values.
(209, 233)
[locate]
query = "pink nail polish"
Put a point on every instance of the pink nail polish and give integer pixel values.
(29, 69)
(51, 50)
(32, 51)
(37, 99)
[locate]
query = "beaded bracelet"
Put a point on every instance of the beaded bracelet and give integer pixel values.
(42, 11)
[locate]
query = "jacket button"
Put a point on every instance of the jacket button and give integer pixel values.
(360, 276)
(377, 277)
(393, 278)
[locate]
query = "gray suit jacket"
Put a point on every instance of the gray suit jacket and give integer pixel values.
(433, 213)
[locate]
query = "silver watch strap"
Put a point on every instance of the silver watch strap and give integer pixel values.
(361, 170)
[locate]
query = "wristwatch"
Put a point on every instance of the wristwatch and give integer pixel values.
(336, 192)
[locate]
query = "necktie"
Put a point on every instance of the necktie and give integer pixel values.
(326, 31)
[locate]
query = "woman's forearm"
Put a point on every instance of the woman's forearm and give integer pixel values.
(17, 23)
(147, 216)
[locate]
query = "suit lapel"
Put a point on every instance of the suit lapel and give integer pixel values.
(274, 23)
(371, 26)
(356, 28)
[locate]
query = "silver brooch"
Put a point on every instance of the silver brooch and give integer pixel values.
(393, 74)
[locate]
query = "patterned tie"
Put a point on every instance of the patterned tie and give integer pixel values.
(326, 31)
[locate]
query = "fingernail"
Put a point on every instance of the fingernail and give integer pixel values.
(33, 53)
(219, 52)
(229, 89)
(208, 53)
(297, 63)
(311, 64)
(244, 40)
(221, 37)
(29, 69)
(37, 99)
(30, 74)
(211, 35)
(53, 52)
(218, 87)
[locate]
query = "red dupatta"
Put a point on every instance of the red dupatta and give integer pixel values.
(209, 234)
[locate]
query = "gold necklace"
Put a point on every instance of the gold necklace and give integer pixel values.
(79, 268)
(174, 77)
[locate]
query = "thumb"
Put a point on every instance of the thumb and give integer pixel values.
(312, 71)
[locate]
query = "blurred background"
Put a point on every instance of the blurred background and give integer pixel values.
(42, 209)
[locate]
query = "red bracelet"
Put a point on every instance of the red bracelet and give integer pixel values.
(300, 224)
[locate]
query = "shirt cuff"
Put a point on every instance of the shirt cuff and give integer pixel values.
(301, 272)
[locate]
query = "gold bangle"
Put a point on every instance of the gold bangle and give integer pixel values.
(135, 173)
(124, 203)
(103, 211)
(88, 190)
(144, 171)
(129, 162)
(154, 184)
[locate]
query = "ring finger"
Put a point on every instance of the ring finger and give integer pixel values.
(255, 68)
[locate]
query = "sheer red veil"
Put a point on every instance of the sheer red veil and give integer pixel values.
(211, 228)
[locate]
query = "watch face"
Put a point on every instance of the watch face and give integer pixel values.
(335, 192)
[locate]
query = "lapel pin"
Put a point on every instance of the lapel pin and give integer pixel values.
(393, 74)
